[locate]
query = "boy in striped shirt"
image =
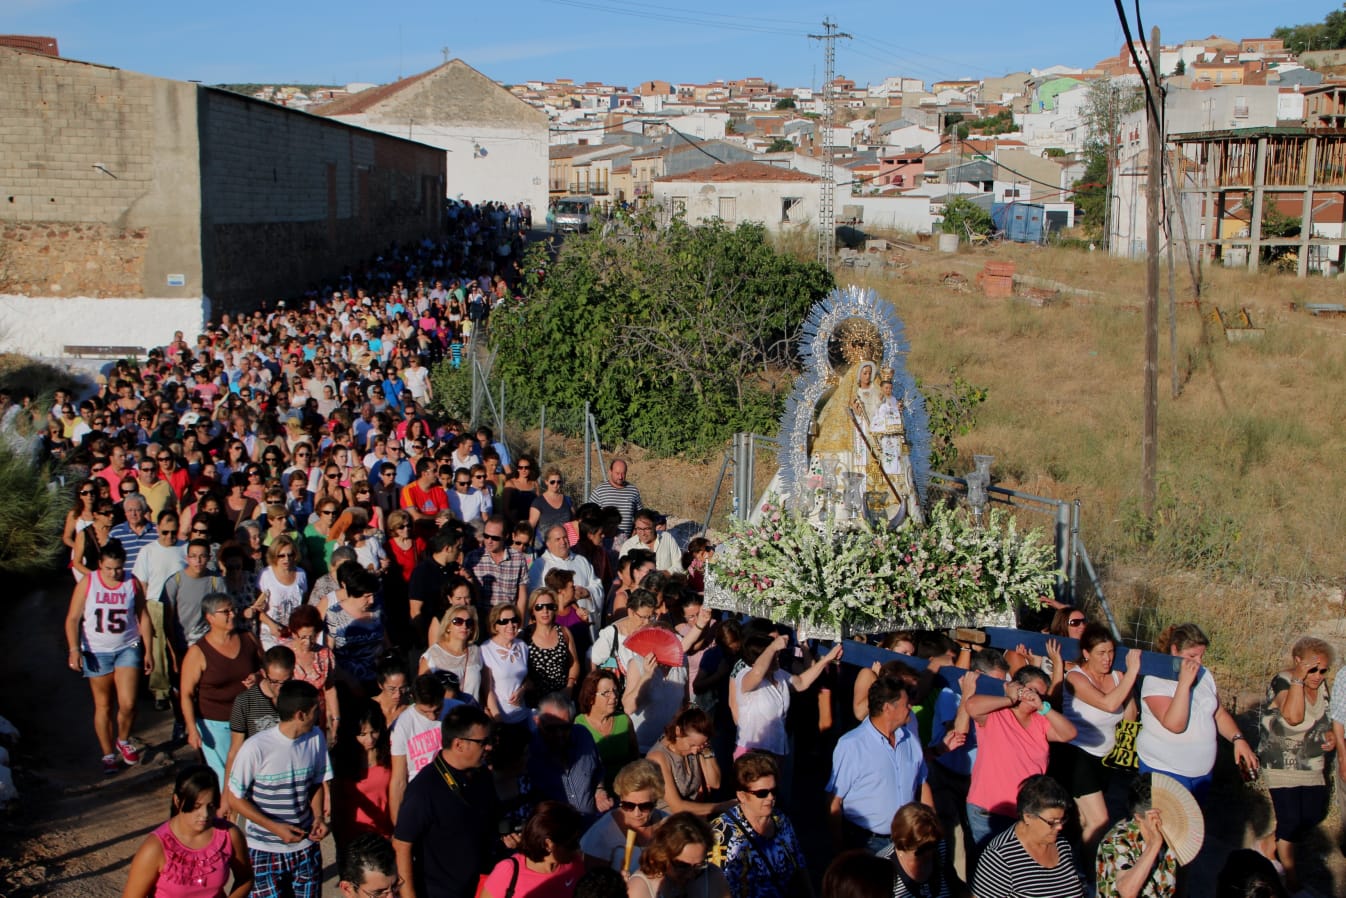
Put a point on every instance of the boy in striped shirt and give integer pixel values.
(276, 784)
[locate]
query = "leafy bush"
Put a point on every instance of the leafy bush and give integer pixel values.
(453, 389)
(952, 408)
(961, 215)
(677, 336)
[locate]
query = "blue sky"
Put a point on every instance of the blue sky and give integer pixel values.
(615, 41)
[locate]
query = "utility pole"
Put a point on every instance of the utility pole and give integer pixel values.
(827, 196)
(1153, 208)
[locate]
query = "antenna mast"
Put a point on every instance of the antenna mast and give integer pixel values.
(827, 196)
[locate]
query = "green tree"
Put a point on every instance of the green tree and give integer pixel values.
(1329, 34)
(677, 336)
(1276, 224)
(962, 216)
(1106, 104)
(1180, 68)
(780, 145)
(785, 103)
(952, 408)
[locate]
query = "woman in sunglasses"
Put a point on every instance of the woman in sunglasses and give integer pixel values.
(638, 786)
(761, 854)
(504, 660)
(553, 663)
(675, 862)
(80, 514)
(89, 541)
(455, 650)
(1296, 737)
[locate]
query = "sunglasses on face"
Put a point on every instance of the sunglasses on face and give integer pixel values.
(544, 606)
(461, 621)
(507, 621)
(1076, 623)
(1317, 670)
(643, 806)
(520, 543)
(759, 793)
(493, 537)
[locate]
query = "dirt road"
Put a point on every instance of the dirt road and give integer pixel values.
(73, 830)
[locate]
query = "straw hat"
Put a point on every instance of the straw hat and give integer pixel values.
(1184, 825)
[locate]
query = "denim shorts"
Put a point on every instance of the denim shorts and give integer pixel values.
(100, 664)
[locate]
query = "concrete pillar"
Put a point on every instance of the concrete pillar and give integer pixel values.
(1255, 226)
(1306, 215)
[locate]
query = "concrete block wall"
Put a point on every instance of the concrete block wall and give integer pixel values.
(98, 173)
(290, 199)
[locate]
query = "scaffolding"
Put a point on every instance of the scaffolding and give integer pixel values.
(1233, 175)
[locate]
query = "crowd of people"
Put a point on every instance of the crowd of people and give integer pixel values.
(378, 622)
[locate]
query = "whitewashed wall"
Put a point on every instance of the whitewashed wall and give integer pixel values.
(45, 325)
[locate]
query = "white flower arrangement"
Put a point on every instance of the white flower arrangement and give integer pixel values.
(850, 579)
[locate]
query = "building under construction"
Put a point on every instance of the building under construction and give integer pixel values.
(1245, 191)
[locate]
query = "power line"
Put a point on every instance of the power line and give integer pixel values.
(698, 19)
(887, 46)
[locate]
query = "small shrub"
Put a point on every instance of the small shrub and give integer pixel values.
(32, 513)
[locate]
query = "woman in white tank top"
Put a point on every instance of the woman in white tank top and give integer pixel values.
(1096, 699)
(105, 629)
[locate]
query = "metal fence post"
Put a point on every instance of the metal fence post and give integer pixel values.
(719, 482)
(1074, 549)
(750, 475)
(588, 465)
(598, 446)
(736, 508)
(541, 439)
(1063, 552)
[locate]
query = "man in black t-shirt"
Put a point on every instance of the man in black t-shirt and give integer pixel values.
(446, 832)
(255, 707)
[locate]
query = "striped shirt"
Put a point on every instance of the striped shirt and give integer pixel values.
(278, 774)
(133, 542)
(1007, 871)
(626, 499)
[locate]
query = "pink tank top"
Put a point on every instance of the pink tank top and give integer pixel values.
(194, 873)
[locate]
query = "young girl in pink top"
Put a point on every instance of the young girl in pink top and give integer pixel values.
(195, 853)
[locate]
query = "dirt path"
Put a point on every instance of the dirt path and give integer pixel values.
(73, 830)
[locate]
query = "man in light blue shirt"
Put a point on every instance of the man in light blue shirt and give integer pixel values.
(876, 768)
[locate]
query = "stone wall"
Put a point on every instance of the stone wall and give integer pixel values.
(71, 259)
(289, 199)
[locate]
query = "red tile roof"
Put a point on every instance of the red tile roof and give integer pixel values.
(742, 171)
(31, 43)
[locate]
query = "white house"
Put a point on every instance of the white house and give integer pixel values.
(779, 198)
(495, 143)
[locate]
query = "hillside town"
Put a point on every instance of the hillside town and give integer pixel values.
(903, 147)
(317, 594)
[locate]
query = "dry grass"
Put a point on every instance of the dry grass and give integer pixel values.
(1247, 451)
(1246, 541)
